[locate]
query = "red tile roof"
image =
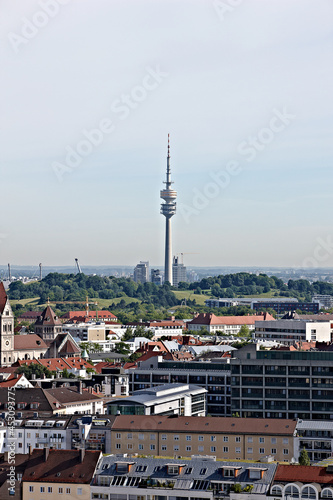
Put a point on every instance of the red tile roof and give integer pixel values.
(81, 315)
(3, 297)
(11, 381)
(29, 341)
(211, 319)
(61, 466)
(69, 348)
(302, 473)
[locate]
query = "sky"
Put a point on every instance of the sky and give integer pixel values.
(89, 91)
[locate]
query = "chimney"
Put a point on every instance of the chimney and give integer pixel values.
(30, 449)
(82, 453)
(46, 454)
(80, 387)
(5, 456)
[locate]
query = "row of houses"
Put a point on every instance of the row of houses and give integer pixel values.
(54, 474)
(227, 438)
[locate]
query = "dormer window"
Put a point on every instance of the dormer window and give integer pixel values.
(256, 472)
(34, 406)
(230, 471)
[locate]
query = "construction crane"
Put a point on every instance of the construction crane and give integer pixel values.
(186, 253)
(78, 266)
(40, 272)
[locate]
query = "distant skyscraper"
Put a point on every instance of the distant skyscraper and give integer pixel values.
(141, 272)
(178, 271)
(156, 277)
(168, 209)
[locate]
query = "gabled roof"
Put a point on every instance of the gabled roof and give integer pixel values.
(30, 341)
(68, 395)
(48, 318)
(3, 297)
(12, 380)
(61, 466)
(211, 319)
(69, 347)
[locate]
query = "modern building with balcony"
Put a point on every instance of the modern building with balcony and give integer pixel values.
(289, 331)
(316, 437)
(282, 384)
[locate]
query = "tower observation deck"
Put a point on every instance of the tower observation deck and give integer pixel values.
(168, 209)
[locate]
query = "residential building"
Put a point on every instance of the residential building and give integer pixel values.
(54, 474)
(282, 384)
(281, 307)
(212, 376)
(90, 432)
(178, 272)
(316, 436)
(141, 272)
(304, 482)
(87, 332)
(324, 301)
(288, 331)
(226, 438)
(14, 380)
(168, 399)
(33, 433)
(226, 324)
(122, 477)
(83, 316)
(10, 484)
(156, 277)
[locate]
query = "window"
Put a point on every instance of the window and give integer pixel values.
(200, 448)
(152, 437)
(118, 446)
(250, 450)
(163, 447)
(225, 439)
(285, 441)
(273, 451)
(79, 491)
(213, 438)
(229, 472)
(327, 493)
(49, 489)
(68, 491)
(118, 435)
(203, 471)
(225, 449)
(285, 451)
(277, 491)
(291, 491)
(31, 489)
(273, 440)
(176, 437)
(129, 446)
(28, 434)
(308, 492)
(250, 440)
(238, 450)
(261, 440)
(261, 450)
(188, 448)
(140, 446)
(176, 448)
(60, 490)
(164, 437)
(213, 448)
(200, 438)
(141, 436)
(238, 439)
(42, 489)
(129, 435)
(152, 447)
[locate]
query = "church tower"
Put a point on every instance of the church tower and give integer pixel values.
(6, 329)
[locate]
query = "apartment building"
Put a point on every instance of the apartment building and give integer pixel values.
(226, 438)
(226, 324)
(282, 384)
(316, 436)
(90, 432)
(289, 331)
(122, 477)
(54, 474)
(212, 376)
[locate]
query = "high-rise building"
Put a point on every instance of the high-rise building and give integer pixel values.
(141, 272)
(178, 271)
(168, 209)
(156, 277)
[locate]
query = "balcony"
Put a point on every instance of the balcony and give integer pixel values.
(252, 382)
(299, 382)
(273, 382)
(275, 395)
(297, 371)
(299, 395)
(298, 406)
(252, 370)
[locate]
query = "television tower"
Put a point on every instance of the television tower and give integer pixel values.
(168, 209)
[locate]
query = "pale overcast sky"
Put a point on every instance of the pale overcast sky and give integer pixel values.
(243, 88)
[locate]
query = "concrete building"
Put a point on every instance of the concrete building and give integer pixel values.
(141, 272)
(282, 384)
(168, 399)
(316, 436)
(324, 301)
(156, 277)
(90, 432)
(86, 332)
(123, 477)
(178, 272)
(226, 438)
(288, 331)
(54, 474)
(168, 209)
(212, 376)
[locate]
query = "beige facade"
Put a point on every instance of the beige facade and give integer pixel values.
(54, 491)
(167, 437)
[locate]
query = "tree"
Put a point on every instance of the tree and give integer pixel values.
(304, 458)
(122, 348)
(34, 369)
(244, 331)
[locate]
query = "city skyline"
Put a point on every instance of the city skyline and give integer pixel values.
(90, 94)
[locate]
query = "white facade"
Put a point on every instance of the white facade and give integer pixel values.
(289, 331)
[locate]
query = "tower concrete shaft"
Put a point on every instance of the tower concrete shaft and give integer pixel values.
(168, 209)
